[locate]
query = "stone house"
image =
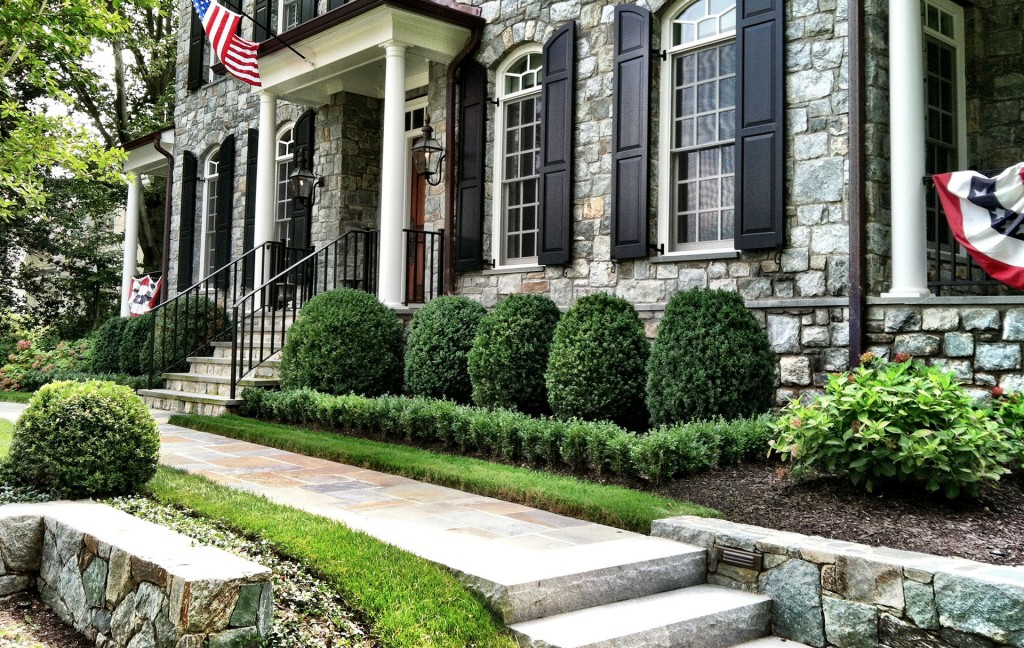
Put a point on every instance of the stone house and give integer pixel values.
(772, 147)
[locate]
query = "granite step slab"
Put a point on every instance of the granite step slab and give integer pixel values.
(703, 616)
(186, 403)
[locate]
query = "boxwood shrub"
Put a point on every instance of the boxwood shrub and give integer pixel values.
(710, 359)
(84, 439)
(597, 367)
(106, 345)
(436, 355)
(135, 352)
(584, 446)
(344, 341)
(510, 354)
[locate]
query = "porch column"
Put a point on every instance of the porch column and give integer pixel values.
(392, 178)
(263, 229)
(131, 239)
(907, 132)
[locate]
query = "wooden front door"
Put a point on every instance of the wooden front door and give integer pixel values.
(415, 242)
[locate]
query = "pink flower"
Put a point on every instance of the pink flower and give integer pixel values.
(901, 357)
(997, 392)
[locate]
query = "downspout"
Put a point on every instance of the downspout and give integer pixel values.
(166, 256)
(857, 212)
(453, 162)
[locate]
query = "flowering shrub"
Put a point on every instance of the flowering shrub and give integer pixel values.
(32, 365)
(900, 422)
(1009, 409)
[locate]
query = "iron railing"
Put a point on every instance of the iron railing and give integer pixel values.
(424, 265)
(186, 324)
(354, 256)
(951, 270)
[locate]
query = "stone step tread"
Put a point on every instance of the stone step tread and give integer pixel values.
(227, 361)
(703, 616)
(221, 380)
(772, 642)
(208, 399)
(227, 345)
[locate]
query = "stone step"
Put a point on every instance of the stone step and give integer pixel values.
(704, 616)
(206, 384)
(222, 367)
(582, 576)
(181, 402)
(223, 350)
(772, 642)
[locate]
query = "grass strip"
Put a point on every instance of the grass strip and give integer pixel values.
(408, 601)
(6, 433)
(612, 505)
(15, 396)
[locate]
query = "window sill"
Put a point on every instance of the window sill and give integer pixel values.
(696, 255)
(513, 269)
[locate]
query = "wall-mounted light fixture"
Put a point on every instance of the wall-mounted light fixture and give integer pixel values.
(302, 182)
(428, 155)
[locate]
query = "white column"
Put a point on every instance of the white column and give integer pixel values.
(907, 132)
(392, 178)
(131, 240)
(263, 229)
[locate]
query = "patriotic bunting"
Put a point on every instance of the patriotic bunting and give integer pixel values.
(986, 216)
(143, 295)
(237, 54)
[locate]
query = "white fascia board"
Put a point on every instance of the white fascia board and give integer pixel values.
(146, 159)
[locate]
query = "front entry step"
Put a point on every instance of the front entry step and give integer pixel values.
(704, 616)
(184, 403)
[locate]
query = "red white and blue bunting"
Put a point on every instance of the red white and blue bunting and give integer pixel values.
(143, 294)
(986, 216)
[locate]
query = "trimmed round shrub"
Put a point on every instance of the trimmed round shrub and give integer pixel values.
(710, 359)
(106, 346)
(185, 328)
(597, 367)
(436, 354)
(344, 341)
(85, 439)
(510, 354)
(135, 343)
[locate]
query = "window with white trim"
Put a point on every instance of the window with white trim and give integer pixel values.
(516, 204)
(285, 163)
(699, 138)
(286, 15)
(210, 182)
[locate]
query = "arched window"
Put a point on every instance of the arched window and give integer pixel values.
(210, 189)
(285, 161)
(699, 138)
(516, 202)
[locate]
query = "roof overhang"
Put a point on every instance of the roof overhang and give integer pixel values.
(344, 48)
(143, 156)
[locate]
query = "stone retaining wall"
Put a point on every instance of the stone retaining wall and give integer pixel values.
(124, 582)
(834, 594)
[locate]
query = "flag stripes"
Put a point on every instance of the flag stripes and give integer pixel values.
(236, 53)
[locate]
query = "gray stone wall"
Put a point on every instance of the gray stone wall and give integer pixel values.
(827, 593)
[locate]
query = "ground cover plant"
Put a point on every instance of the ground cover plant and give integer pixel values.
(436, 355)
(407, 601)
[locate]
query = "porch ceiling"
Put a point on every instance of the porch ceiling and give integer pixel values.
(344, 48)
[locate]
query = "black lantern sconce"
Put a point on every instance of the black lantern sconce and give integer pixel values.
(302, 182)
(428, 155)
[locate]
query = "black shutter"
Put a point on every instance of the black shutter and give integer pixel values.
(187, 224)
(261, 20)
(760, 167)
(303, 137)
(225, 208)
(307, 10)
(631, 91)
(249, 227)
(469, 221)
(556, 122)
(196, 43)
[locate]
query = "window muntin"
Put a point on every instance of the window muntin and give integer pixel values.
(285, 163)
(210, 190)
(517, 153)
(701, 101)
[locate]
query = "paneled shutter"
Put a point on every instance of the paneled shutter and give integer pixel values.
(196, 43)
(307, 10)
(261, 20)
(187, 224)
(631, 90)
(760, 167)
(249, 228)
(469, 209)
(225, 208)
(302, 220)
(556, 122)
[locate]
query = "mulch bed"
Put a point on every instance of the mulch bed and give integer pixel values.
(988, 529)
(26, 622)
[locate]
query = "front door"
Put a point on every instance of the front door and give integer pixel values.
(415, 241)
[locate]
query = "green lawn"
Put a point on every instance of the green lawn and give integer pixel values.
(409, 602)
(15, 396)
(6, 432)
(612, 505)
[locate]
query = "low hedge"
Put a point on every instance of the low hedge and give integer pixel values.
(584, 446)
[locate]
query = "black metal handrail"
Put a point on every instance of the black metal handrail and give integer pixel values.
(424, 265)
(199, 313)
(355, 266)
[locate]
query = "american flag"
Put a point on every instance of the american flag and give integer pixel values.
(237, 54)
